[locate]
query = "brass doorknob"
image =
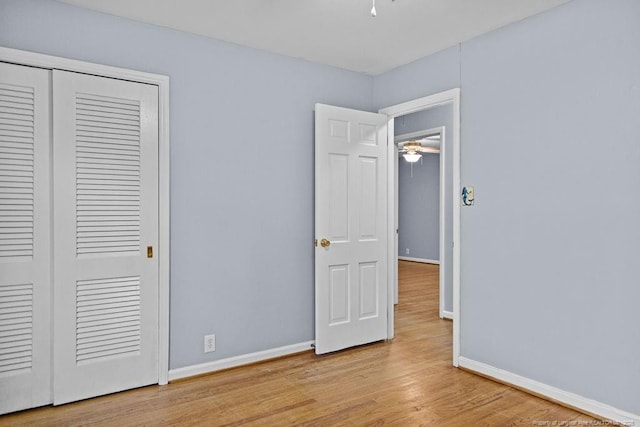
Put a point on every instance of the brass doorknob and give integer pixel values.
(324, 243)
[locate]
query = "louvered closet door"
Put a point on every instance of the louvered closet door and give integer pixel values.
(25, 324)
(105, 151)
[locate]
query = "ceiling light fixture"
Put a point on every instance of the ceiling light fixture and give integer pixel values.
(411, 151)
(412, 157)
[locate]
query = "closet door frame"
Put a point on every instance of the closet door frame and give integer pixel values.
(20, 57)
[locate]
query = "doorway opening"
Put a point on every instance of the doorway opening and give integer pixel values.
(420, 198)
(447, 103)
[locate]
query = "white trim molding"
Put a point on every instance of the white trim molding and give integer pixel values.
(573, 400)
(422, 260)
(162, 82)
(244, 359)
(447, 315)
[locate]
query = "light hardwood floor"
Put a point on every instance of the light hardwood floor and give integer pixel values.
(406, 382)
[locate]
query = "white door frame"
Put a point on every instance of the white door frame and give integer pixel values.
(440, 130)
(52, 62)
(451, 96)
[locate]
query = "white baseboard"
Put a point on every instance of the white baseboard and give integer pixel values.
(423, 260)
(582, 403)
(244, 359)
(447, 315)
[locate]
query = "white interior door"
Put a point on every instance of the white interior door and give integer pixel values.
(25, 285)
(105, 150)
(351, 227)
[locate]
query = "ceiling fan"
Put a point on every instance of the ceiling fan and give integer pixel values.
(412, 150)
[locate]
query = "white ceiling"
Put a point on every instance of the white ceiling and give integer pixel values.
(339, 33)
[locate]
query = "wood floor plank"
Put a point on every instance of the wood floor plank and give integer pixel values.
(408, 381)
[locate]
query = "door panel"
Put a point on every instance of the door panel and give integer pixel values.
(351, 212)
(25, 286)
(369, 284)
(367, 200)
(339, 290)
(338, 197)
(105, 216)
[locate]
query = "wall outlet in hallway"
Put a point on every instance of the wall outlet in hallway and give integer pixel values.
(209, 343)
(406, 251)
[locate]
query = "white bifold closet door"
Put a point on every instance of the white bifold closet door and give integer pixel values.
(105, 230)
(25, 269)
(89, 309)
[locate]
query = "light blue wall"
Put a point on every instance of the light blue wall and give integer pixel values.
(241, 229)
(426, 76)
(422, 213)
(419, 207)
(551, 142)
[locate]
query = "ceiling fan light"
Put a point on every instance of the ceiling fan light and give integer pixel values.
(412, 157)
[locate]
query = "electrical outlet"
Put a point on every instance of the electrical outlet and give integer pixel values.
(406, 251)
(209, 343)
